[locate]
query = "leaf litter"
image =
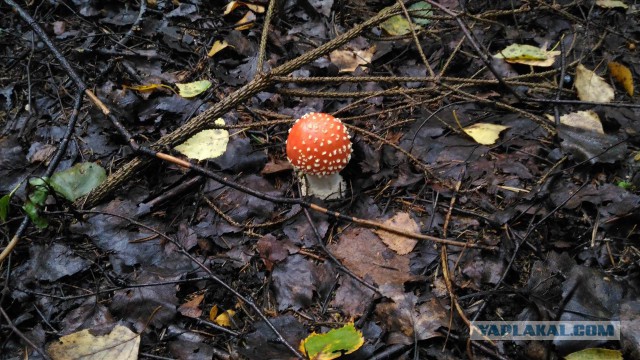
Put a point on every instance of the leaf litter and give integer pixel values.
(572, 224)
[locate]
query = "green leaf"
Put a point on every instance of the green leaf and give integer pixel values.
(399, 25)
(207, 144)
(78, 180)
(595, 354)
(33, 211)
(4, 203)
(625, 185)
(332, 344)
(39, 191)
(194, 88)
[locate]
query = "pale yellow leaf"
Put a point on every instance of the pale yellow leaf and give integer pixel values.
(398, 243)
(623, 75)
(192, 89)
(207, 144)
(595, 354)
(120, 344)
(235, 4)
(587, 120)
(483, 133)
(527, 55)
(146, 87)
(217, 46)
(611, 4)
(591, 87)
(349, 60)
(231, 6)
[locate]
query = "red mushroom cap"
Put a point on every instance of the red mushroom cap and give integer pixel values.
(318, 144)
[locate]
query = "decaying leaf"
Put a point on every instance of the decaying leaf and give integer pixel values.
(333, 343)
(349, 60)
(622, 74)
(398, 243)
(484, 133)
(121, 344)
(527, 55)
(591, 87)
(217, 46)
(147, 87)
(612, 4)
(192, 89)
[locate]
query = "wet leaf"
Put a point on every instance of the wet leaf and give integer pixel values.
(612, 4)
(586, 120)
(36, 200)
(528, 55)
(207, 144)
(398, 243)
(595, 354)
(217, 46)
(78, 180)
(333, 343)
(591, 87)
(192, 89)
(121, 344)
(484, 133)
(622, 75)
(590, 145)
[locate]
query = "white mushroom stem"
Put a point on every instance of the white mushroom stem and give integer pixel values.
(324, 187)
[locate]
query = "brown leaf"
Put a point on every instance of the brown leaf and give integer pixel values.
(398, 243)
(192, 307)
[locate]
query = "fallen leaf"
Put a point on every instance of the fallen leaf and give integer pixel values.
(247, 21)
(236, 4)
(622, 74)
(595, 354)
(146, 87)
(484, 133)
(224, 319)
(217, 47)
(611, 4)
(587, 120)
(333, 343)
(349, 60)
(192, 307)
(78, 180)
(398, 243)
(192, 89)
(121, 344)
(207, 144)
(591, 87)
(527, 55)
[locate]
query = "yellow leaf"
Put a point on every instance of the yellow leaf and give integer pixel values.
(224, 319)
(147, 87)
(483, 133)
(591, 87)
(611, 4)
(235, 4)
(213, 313)
(121, 344)
(527, 55)
(622, 74)
(247, 21)
(207, 144)
(595, 354)
(193, 88)
(216, 47)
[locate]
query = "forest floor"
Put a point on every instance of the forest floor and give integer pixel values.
(229, 261)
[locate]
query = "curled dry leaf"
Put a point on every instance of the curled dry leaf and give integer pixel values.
(349, 60)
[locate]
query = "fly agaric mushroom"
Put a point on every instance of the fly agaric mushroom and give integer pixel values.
(319, 146)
